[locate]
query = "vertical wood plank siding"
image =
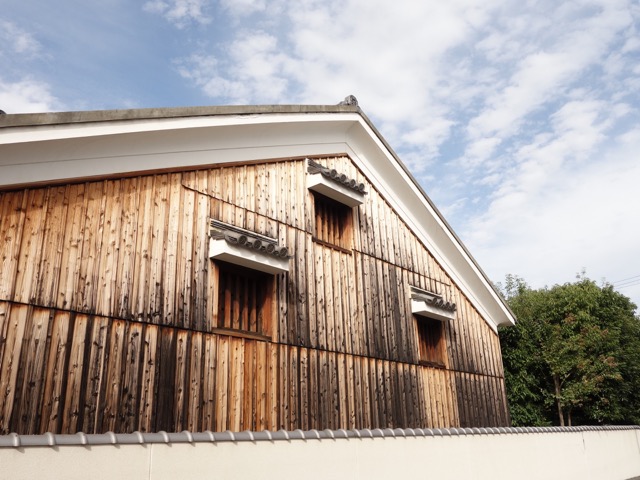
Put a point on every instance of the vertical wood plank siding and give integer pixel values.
(107, 300)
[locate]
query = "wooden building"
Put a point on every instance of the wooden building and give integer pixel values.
(232, 268)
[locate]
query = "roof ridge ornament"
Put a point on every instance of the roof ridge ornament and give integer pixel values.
(349, 100)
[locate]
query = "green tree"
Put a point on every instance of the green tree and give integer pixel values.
(573, 356)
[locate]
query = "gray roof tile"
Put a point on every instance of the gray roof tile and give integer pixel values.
(14, 440)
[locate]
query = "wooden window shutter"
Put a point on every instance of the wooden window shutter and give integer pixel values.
(334, 222)
(244, 300)
(431, 341)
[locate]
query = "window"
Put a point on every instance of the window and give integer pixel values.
(431, 341)
(334, 221)
(243, 300)
(431, 311)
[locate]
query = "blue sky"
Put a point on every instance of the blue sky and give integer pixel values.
(519, 118)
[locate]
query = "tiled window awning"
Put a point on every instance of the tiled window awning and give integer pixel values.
(334, 184)
(431, 305)
(248, 249)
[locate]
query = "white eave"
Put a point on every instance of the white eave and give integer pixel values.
(45, 148)
(221, 249)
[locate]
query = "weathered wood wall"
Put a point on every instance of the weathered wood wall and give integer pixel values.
(105, 321)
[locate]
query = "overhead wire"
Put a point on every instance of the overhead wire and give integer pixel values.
(627, 282)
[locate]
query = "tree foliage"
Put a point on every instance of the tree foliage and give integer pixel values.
(573, 356)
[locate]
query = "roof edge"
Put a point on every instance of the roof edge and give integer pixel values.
(92, 116)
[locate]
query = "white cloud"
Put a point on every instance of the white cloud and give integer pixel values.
(321, 51)
(544, 72)
(17, 41)
(254, 72)
(558, 215)
(245, 7)
(180, 12)
(27, 96)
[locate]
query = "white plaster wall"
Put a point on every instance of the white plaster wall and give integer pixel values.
(575, 455)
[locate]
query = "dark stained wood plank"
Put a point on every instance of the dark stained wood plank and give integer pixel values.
(392, 314)
(360, 411)
(158, 250)
(321, 307)
(172, 253)
(30, 380)
(382, 311)
(304, 388)
(283, 390)
(240, 198)
(236, 373)
(87, 289)
(314, 389)
(261, 381)
(311, 289)
(53, 244)
(181, 379)
(13, 207)
(164, 392)
(112, 387)
(74, 405)
(97, 355)
(339, 293)
(222, 385)
(194, 390)
(141, 307)
(329, 314)
(361, 333)
(185, 260)
(128, 411)
(284, 333)
(293, 388)
(26, 280)
(287, 236)
(55, 376)
(248, 419)
(385, 251)
(127, 252)
(350, 393)
(367, 305)
(342, 390)
(333, 393)
(209, 370)
(108, 262)
(72, 252)
(201, 319)
(324, 409)
(349, 306)
(146, 407)
(273, 393)
(299, 266)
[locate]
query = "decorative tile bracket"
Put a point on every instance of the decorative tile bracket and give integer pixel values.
(335, 185)
(429, 304)
(247, 249)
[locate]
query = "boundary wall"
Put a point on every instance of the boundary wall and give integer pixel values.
(492, 453)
